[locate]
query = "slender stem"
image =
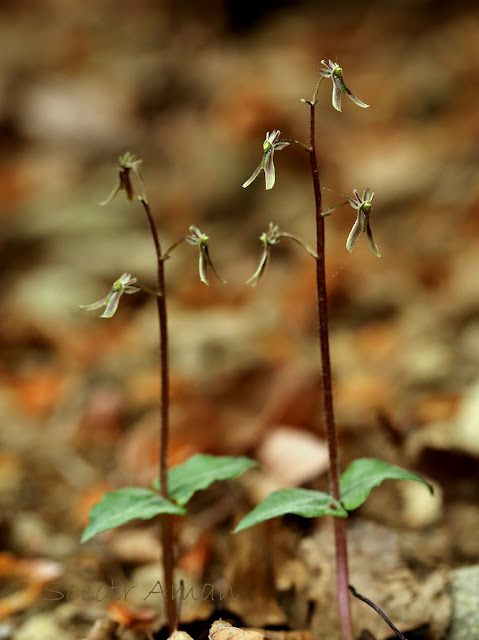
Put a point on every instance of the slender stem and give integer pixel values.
(342, 578)
(164, 518)
(378, 610)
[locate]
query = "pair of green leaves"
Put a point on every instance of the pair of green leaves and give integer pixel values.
(197, 473)
(356, 484)
(200, 471)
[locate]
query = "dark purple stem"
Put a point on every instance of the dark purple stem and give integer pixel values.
(164, 518)
(378, 610)
(342, 572)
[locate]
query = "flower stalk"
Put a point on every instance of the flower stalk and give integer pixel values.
(164, 518)
(342, 570)
(126, 165)
(269, 239)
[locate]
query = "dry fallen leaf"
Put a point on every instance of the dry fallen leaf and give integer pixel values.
(180, 635)
(35, 573)
(250, 573)
(293, 456)
(103, 630)
(129, 618)
(303, 634)
(222, 630)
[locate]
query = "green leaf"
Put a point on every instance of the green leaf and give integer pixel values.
(366, 473)
(118, 507)
(201, 470)
(302, 502)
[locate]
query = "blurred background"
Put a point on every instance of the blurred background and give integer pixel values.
(192, 88)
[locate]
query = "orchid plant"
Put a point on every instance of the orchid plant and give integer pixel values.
(349, 490)
(174, 488)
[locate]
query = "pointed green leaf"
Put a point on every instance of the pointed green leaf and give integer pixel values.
(302, 502)
(366, 473)
(201, 470)
(118, 507)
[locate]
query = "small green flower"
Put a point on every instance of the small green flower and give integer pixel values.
(268, 239)
(126, 163)
(200, 240)
(270, 145)
(334, 71)
(363, 206)
(124, 284)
